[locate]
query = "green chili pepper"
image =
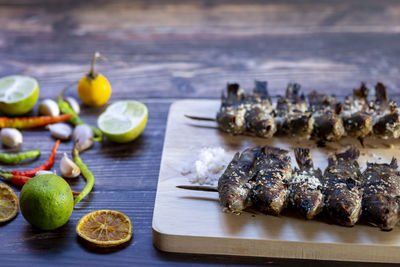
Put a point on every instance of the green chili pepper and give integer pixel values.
(85, 172)
(18, 157)
(75, 119)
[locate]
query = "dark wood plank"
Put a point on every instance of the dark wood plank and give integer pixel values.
(193, 49)
(161, 51)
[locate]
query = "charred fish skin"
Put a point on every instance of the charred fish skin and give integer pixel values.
(292, 110)
(231, 115)
(273, 172)
(386, 114)
(233, 185)
(306, 187)
(342, 187)
(259, 118)
(381, 195)
(357, 120)
(328, 125)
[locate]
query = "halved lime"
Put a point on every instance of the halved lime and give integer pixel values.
(123, 121)
(18, 94)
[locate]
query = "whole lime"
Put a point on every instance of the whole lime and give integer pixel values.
(46, 201)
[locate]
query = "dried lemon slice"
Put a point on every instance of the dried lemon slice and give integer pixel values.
(8, 203)
(105, 228)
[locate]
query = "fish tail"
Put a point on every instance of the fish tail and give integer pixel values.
(260, 87)
(350, 154)
(362, 92)
(393, 163)
(381, 92)
(303, 158)
(293, 90)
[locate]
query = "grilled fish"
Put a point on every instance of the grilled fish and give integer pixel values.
(270, 190)
(294, 118)
(306, 187)
(259, 112)
(231, 115)
(233, 185)
(381, 194)
(328, 125)
(342, 187)
(357, 120)
(386, 114)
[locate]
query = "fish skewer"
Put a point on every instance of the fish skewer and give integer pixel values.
(342, 187)
(270, 190)
(292, 111)
(328, 125)
(233, 185)
(386, 114)
(381, 194)
(306, 186)
(357, 120)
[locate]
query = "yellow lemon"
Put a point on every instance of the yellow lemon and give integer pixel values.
(94, 89)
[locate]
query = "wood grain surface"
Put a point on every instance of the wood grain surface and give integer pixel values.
(160, 51)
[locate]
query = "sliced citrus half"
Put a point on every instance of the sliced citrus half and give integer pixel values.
(8, 203)
(123, 121)
(105, 228)
(18, 94)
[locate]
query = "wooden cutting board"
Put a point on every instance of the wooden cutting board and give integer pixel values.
(193, 222)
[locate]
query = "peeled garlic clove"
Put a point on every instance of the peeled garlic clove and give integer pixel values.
(73, 103)
(68, 168)
(49, 107)
(60, 131)
(84, 135)
(11, 137)
(46, 172)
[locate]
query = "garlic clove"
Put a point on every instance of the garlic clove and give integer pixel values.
(11, 137)
(83, 134)
(60, 131)
(49, 107)
(73, 103)
(68, 168)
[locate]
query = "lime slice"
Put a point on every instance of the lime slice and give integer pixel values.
(18, 94)
(123, 121)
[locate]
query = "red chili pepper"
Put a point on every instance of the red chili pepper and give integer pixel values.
(20, 180)
(45, 166)
(32, 122)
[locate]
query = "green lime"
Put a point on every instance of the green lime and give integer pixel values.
(46, 201)
(123, 121)
(18, 94)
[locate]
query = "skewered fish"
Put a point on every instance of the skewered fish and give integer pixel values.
(328, 125)
(357, 120)
(270, 190)
(306, 187)
(231, 116)
(386, 114)
(233, 185)
(342, 187)
(381, 195)
(294, 116)
(259, 109)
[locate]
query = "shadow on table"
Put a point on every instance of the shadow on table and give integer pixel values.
(98, 250)
(41, 241)
(115, 150)
(191, 259)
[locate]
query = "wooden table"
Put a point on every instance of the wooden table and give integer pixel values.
(158, 53)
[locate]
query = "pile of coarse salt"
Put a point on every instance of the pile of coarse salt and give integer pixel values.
(208, 167)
